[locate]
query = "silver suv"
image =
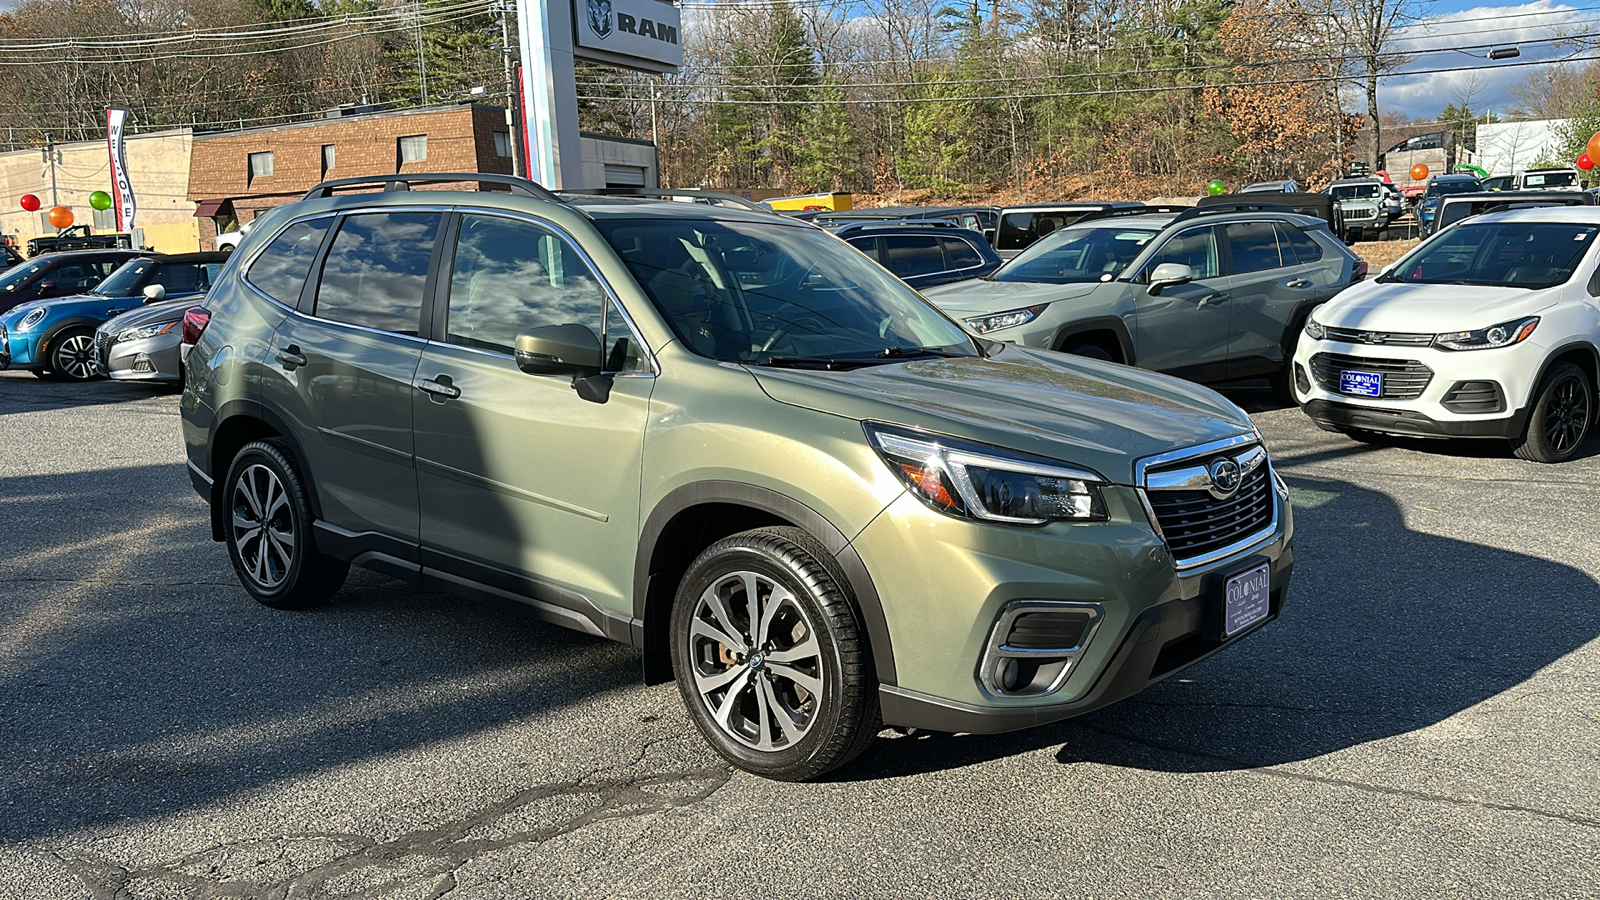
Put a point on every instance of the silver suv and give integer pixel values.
(1217, 293)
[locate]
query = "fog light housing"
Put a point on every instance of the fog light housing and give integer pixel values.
(142, 363)
(1034, 644)
(1301, 383)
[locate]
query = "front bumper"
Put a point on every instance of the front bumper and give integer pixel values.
(945, 583)
(1511, 371)
(18, 350)
(5, 348)
(151, 359)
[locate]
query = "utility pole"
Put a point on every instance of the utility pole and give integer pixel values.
(50, 157)
(511, 88)
(653, 138)
(422, 65)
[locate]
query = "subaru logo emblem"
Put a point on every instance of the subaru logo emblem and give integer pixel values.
(600, 18)
(1226, 476)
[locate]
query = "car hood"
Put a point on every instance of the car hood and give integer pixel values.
(151, 314)
(1430, 308)
(1081, 411)
(92, 305)
(978, 297)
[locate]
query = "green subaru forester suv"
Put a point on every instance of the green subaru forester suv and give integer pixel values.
(729, 440)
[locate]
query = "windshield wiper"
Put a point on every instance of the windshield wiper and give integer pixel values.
(914, 352)
(824, 363)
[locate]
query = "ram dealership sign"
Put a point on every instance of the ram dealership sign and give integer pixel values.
(633, 34)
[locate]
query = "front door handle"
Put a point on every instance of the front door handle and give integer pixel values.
(115, 312)
(291, 357)
(1212, 300)
(1300, 283)
(439, 387)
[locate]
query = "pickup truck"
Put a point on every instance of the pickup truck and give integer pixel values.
(79, 237)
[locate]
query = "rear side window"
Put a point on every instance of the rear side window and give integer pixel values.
(908, 256)
(281, 270)
(1254, 246)
(1306, 249)
(959, 254)
(376, 270)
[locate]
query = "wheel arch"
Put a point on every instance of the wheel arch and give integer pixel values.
(693, 517)
(238, 422)
(1097, 328)
(48, 339)
(1582, 353)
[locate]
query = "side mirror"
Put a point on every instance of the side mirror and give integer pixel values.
(1168, 275)
(559, 350)
(154, 293)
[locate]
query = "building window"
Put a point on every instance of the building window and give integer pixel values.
(502, 144)
(105, 220)
(327, 158)
(260, 164)
(413, 148)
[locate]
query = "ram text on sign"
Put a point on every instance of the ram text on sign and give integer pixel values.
(637, 34)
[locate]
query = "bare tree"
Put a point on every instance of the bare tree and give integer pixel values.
(1369, 29)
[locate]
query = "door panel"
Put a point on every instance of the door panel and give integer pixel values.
(1268, 285)
(1184, 330)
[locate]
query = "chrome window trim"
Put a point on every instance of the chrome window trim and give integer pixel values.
(1249, 542)
(995, 649)
(588, 260)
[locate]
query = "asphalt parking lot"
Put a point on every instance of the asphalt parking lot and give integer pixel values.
(1421, 722)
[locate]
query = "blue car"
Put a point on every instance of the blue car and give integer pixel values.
(55, 336)
(1438, 187)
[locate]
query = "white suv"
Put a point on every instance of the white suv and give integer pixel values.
(1488, 329)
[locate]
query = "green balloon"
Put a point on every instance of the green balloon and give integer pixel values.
(1215, 187)
(100, 200)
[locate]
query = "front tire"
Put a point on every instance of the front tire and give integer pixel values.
(770, 656)
(1562, 415)
(72, 355)
(268, 529)
(1091, 351)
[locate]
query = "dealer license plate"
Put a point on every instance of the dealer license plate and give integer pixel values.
(1361, 384)
(1248, 598)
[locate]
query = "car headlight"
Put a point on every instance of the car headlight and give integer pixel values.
(973, 481)
(1011, 318)
(1503, 335)
(33, 318)
(1314, 329)
(144, 331)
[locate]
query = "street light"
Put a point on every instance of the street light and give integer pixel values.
(1504, 53)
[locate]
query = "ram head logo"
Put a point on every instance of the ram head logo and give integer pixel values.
(600, 17)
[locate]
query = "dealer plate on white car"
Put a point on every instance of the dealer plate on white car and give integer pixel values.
(1361, 384)
(1248, 598)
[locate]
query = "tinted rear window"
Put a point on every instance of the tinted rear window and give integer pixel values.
(281, 269)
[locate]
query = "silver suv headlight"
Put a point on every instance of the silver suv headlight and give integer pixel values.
(33, 318)
(974, 481)
(1503, 335)
(1011, 318)
(145, 331)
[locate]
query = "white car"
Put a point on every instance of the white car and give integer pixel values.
(1488, 329)
(228, 241)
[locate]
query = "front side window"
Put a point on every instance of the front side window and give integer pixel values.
(509, 276)
(777, 294)
(281, 270)
(1512, 254)
(1195, 248)
(1094, 253)
(125, 281)
(181, 278)
(376, 270)
(1255, 247)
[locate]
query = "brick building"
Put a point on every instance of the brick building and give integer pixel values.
(235, 176)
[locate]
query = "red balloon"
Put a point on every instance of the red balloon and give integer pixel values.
(1585, 163)
(31, 203)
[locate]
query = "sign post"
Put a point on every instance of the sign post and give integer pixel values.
(643, 35)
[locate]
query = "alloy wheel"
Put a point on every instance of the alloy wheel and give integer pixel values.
(756, 661)
(1567, 418)
(74, 357)
(263, 526)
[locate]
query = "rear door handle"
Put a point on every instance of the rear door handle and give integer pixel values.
(439, 387)
(1300, 283)
(291, 357)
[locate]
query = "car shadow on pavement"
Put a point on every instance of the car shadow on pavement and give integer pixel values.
(23, 392)
(137, 677)
(1386, 631)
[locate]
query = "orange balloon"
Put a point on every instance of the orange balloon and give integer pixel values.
(60, 217)
(1594, 144)
(1419, 172)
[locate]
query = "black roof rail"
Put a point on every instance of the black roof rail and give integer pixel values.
(1242, 206)
(663, 193)
(404, 182)
(1140, 210)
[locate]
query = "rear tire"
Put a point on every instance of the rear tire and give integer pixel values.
(268, 510)
(1563, 412)
(770, 657)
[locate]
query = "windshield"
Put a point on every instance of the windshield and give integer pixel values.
(1512, 254)
(124, 282)
(15, 276)
(1356, 191)
(1549, 179)
(1439, 188)
(1077, 255)
(777, 294)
